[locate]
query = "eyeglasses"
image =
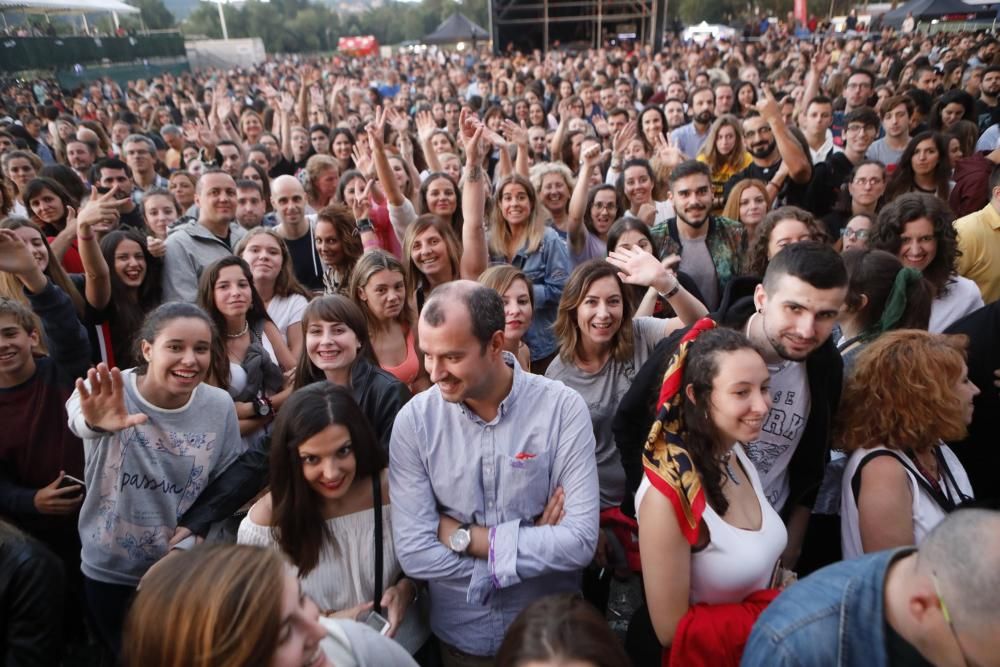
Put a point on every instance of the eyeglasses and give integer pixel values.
(858, 129)
(855, 234)
(865, 182)
(951, 625)
(605, 207)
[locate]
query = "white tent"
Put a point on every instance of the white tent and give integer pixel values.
(81, 7)
(67, 6)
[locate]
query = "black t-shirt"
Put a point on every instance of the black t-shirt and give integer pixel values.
(827, 181)
(791, 193)
(305, 261)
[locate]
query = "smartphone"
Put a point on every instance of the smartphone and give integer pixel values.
(377, 622)
(69, 480)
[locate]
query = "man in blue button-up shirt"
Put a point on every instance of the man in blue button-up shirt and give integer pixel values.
(492, 477)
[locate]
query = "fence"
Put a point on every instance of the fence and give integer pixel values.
(47, 53)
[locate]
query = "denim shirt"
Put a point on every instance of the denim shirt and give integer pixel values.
(835, 617)
(547, 268)
(445, 459)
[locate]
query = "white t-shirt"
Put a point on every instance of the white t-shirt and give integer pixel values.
(927, 513)
(782, 430)
(963, 297)
(284, 311)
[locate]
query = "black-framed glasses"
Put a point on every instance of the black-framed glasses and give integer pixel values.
(855, 234)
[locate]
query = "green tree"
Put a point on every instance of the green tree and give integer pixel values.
(154, 13)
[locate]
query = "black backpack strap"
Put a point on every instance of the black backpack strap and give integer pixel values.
(377, 498)
(856, 479)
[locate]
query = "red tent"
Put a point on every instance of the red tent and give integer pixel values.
(358, 45)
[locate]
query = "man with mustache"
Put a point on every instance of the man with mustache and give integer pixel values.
(709, 246)
(690, 137)
(778, 158)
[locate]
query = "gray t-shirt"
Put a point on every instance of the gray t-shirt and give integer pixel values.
(881, 151)
(782, 430)
(602, 391)
(696, 261)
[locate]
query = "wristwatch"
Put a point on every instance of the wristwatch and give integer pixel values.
(460, 540)
(364, 225)
(261, 406)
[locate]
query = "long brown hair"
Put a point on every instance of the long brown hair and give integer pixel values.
(11, 287)
(286, 284)
(297, 510)
(566, 328)
(218, 605)
(453, 246)
(370, 264)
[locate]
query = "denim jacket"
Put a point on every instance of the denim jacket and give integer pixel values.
(832, 618)
(547, 268)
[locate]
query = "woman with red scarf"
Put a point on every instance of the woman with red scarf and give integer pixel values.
(708, 537)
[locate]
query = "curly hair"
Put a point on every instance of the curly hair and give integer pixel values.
(757, 259)
(901, 394)
(887, 234)
(699, 432)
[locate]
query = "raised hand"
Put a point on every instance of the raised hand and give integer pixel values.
(669, 154)
(593, 156)
(287, 103)
(425, 126)
(223, 107)
(396, 120)
(15, 256)
(637, 267)
(621, 139)
(362, 157)
(475, 148)
(362, 202)
(601, 126)
(516, 134)
(405, 146)
(103, 404)
(767, 105)
(376, 130)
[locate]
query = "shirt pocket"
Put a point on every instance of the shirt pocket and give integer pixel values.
(524, 485)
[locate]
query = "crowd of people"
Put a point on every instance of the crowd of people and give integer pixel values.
(414, 360)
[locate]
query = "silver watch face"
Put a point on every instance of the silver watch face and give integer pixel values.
(460, 539)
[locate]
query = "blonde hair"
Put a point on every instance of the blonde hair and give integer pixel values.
(499, 278)
(501, 237)
(217, 605)
(315, 166)
(371, 263)
(414, 276)
(715, 160)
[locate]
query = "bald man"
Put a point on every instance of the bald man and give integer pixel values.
(194, 245)
(935, 604)
(289, 200)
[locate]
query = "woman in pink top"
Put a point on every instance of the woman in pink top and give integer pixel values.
(379, 286)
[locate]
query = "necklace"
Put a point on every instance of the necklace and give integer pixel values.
(246, 325)
(726, 460)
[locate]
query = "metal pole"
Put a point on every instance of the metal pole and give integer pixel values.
(600, 20)
(493, 41)
(222, 19)
(545, 20)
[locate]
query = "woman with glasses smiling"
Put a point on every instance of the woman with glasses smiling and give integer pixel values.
(863, 196)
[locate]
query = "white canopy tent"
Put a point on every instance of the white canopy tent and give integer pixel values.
(81, 7)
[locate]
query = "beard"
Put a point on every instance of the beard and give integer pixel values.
(762, 151)
(704, 118)
(696, 223)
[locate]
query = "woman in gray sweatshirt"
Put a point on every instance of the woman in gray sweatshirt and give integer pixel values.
(154, 437)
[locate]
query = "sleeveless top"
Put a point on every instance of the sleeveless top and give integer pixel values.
(407, 371)
(736, 562)
(927, 512)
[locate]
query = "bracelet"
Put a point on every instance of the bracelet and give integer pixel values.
(672, 292)
(86, 238)
(364, 225)
(95, 429)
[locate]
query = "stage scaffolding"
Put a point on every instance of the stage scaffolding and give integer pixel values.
(544, 24)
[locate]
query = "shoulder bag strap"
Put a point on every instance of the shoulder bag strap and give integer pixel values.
(377, 498)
